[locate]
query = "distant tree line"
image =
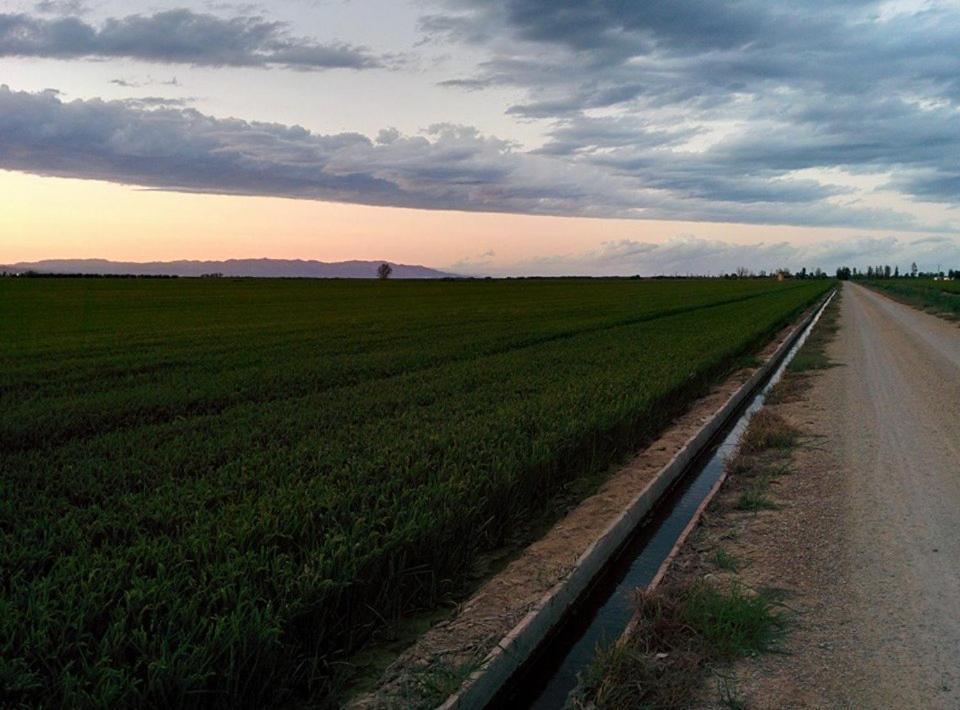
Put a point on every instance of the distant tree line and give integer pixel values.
(884, 271)
(741, 273)
(780, 274)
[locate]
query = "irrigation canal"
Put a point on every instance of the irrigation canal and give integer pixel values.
(599, 618)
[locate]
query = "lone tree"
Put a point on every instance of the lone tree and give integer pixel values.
(384, 271)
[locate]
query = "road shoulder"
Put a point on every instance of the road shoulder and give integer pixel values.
(795, 546)
(844, 539)
(760, 566)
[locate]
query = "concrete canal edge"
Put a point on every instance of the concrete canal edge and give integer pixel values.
(520, 643)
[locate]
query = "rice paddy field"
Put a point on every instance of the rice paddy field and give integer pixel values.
(213, 491)
(942, 297)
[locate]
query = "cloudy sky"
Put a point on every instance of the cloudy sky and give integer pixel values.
(485, 136)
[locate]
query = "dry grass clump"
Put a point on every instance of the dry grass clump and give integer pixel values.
(768, 430)
(679, 631)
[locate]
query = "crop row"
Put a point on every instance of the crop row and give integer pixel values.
(137, 369)
(232, 556)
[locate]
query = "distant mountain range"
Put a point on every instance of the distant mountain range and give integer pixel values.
(264, 268)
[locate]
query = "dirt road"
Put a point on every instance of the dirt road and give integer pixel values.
(867, 535)
(898, 437)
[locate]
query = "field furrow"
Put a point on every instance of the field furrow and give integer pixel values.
(287, 489)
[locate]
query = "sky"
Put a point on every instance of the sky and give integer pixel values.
(497, 137)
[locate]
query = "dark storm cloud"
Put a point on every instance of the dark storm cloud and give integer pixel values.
(157, 143)
(176, 36)
(790, 86)
(171, 147)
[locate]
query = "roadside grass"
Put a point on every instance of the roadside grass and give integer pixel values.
(680, 631)
(754, 499)
(760, 459)
(811, 358)
(698, 623)
(735, 621)
(941, 298)
(763, 454)
(628, 676)
(725, 561)
(767, 430)
(813, 354)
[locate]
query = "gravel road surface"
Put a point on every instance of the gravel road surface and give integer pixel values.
(898, 438)
(866, 536)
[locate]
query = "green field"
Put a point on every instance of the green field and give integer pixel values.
(212, 491)
(942, 297)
